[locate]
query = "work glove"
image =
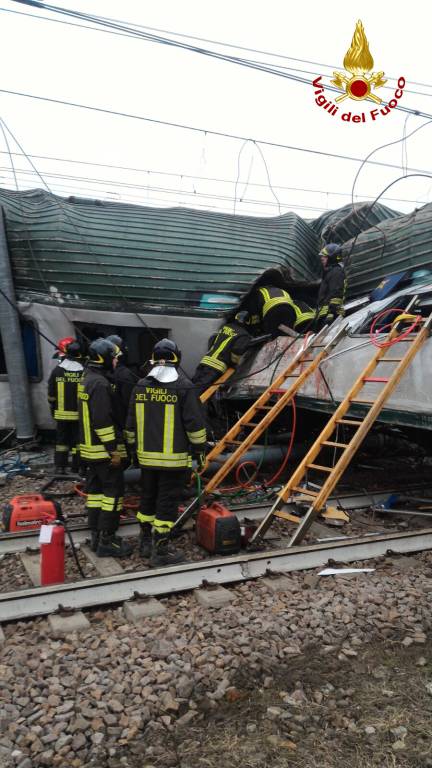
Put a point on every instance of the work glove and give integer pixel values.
(116, 460)
(199, 455)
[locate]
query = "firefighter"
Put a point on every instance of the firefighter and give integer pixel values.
(225, 350)
(62, 398)
(123, 378)
(271, 306)
(122, 383)
(333, 285)
(165, 425)
(102, 448)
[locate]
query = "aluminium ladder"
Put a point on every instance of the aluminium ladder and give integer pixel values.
(293, 492)
(262, 413)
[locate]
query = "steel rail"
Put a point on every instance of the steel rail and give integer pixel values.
(12, 543)
(37, 601)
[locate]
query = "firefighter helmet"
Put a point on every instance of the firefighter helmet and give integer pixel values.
(165, 352)
(242, 317)
(73, 350)
(333, 251)
(120, 343)
(102, 353)
(61, 346)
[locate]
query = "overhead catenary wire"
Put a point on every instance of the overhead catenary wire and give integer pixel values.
(196, 129)
(180, 175)
(120, 28)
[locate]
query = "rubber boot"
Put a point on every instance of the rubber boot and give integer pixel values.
(162, 553)
(111, 545)
(94, 540)
(145, 541)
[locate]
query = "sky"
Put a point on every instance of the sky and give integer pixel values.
(158, 165)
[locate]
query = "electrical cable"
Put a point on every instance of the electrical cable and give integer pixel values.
(201, 39)
(115, 26)
(182, 126)
(182, 175)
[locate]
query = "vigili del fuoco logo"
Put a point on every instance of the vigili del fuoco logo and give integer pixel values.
(359, 84)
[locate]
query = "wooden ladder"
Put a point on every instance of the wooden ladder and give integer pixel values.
(263, 412)
(209, 392)
(293, 490)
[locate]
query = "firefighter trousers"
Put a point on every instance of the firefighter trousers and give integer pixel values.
(67, 439)
(281, 314)
(105, 490)
(161, 491)
(204, 377)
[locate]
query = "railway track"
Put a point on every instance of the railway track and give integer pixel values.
(90, 592)
(27, 540)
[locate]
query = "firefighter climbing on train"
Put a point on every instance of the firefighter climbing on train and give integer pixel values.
(102, 448)
(225, 350)
(166, 427)
(62, 398)
(331, 296)
(271, 305)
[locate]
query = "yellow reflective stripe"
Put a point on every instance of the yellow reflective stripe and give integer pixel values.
(254, 320)
(335, 301)
(218, 365)
(275, 302)
(129, 437)
(94, 500)
(86, 423)
(93, 452)
(139, 414)
(265, 294)
(168, 433)
(51, 399)
(235, 358)
(197, 437)
(60, 395)
(110, 504)
(323, 311)
(106, 434)
(144, 518)
(178, 460)
(221, 346)
(162, 525)
(61, 448)
(66, 415)
(121, 450)
(302, 317)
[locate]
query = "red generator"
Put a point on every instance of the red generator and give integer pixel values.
(28, 512)
(218, 530)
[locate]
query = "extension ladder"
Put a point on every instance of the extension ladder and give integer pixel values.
(293, 491)
(209, 392)
(262, 413)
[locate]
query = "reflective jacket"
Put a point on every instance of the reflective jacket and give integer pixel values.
(63, 390)
(268, 297)
(100, 436)
(331, 294)
(231, 342)
(164, 420)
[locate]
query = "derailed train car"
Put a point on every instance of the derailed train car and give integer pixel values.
(90, 268)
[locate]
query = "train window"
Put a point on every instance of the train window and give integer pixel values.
(139, 341)
(30, 341)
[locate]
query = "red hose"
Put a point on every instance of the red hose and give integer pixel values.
(248, 482)
(389, 343)
(290, 446)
